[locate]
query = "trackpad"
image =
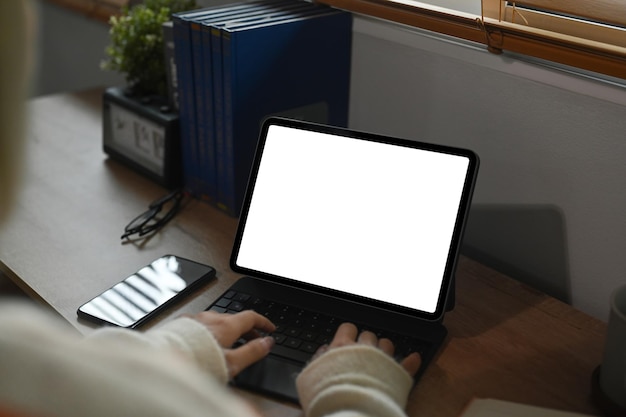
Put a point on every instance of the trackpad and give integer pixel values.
(271, 376)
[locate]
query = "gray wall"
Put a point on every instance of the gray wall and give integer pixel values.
(549, 202)
(548, 207)
(70, 49)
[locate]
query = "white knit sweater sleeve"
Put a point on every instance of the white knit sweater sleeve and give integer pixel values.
(355, 380)
(47, 369)
(183, 336)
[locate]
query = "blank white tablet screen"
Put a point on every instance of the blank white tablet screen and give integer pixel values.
(362, 217)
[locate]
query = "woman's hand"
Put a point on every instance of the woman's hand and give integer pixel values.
(347, 334)
(228, 328)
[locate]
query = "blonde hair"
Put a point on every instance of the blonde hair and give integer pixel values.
(16, 30)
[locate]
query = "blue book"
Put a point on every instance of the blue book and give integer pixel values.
(183, 52)
(296, 67)
(204, 87)
(276, 11)
(182, 56)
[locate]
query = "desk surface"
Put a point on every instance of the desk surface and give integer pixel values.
(62, 246)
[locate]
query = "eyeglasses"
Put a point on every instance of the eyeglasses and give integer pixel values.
(148, 222)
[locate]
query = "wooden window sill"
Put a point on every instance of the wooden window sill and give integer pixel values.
(100, 10)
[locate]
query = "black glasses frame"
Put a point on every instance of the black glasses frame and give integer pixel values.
(148, 222)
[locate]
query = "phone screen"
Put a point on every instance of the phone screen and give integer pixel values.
(140, 296)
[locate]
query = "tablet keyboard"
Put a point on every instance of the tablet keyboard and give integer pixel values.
(299, 332)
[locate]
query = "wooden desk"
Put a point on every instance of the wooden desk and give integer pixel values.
(62, 246)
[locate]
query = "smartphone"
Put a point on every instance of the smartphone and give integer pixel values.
(148, 291)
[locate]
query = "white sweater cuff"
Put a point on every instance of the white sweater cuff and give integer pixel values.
(359, 378)
(196, 342)
(183, 336)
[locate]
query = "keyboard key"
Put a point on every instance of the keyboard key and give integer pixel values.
(329, 331)
(313, 326)
(223, 302)
(309, 347)
(241, 297)
(279, 338)
(293, 343)
(281, 318)
(236, 306)
(255, 301)
(309, 336)
(293, 332)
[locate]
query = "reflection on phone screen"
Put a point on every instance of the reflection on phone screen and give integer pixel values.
(137, 296)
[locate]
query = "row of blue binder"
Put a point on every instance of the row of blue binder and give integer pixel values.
(239, 63)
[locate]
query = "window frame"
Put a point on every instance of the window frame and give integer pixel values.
(572, 48)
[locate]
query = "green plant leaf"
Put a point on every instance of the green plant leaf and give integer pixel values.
(136, 48)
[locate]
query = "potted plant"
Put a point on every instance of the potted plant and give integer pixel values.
(136, 48)
(140, 128)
